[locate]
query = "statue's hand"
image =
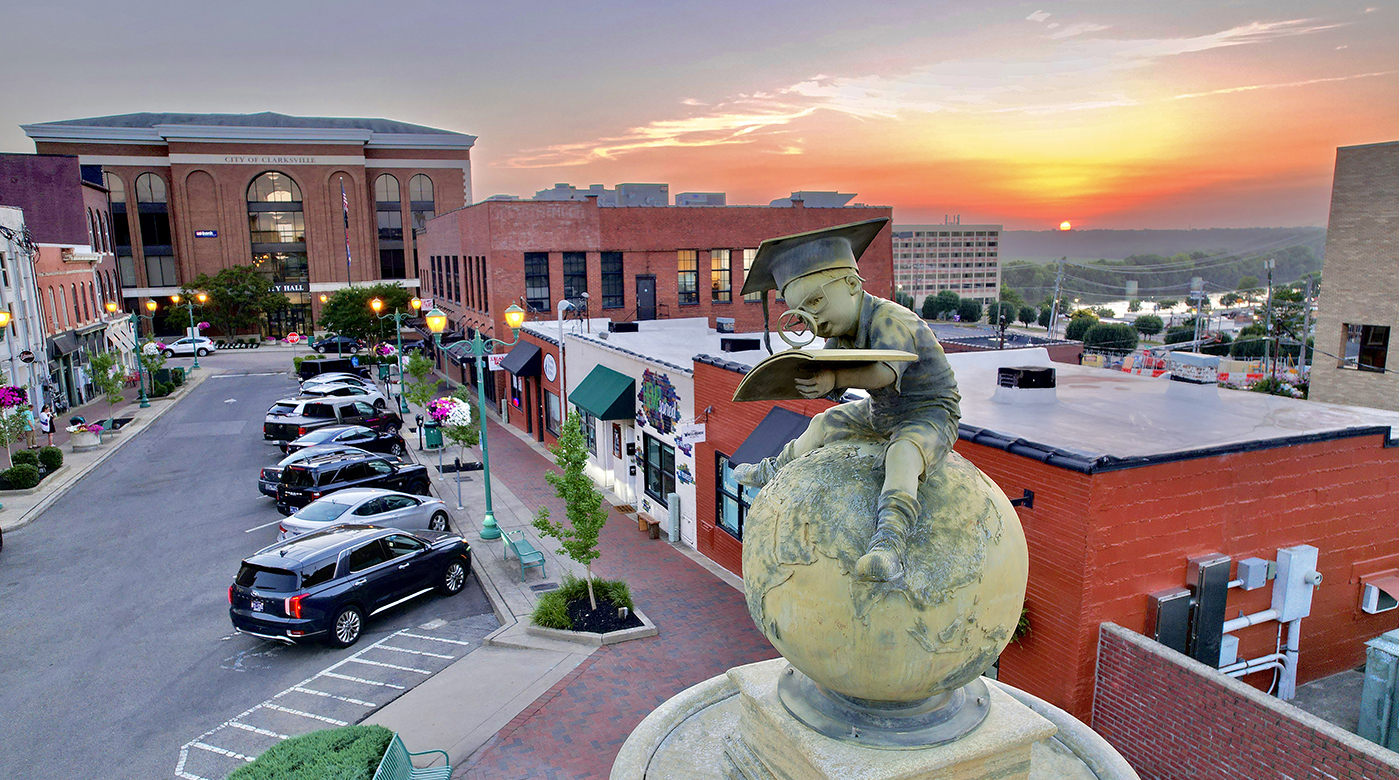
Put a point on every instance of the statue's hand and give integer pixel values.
(818, 385)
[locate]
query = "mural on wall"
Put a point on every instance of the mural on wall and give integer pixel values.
(683, 474)
(661, 407)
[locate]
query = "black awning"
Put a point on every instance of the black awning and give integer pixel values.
(64, 343)
(524, 360)
(768, 439)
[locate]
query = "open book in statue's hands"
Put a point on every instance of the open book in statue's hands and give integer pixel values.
(775, 379)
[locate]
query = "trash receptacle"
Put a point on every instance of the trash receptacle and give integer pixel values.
(384, 370)
(432, 435)
(79, 420)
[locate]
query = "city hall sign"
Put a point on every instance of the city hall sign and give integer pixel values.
(268, 159)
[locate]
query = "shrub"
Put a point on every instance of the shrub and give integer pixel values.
(1148, 324)
(296, 364)
(162, 389)
(21, 476)
(25, 456)
(51, 457)
(177, 376)
(969, 310)
(1078, 326)
(1117, 336)
(347, 753)
(552, 611)
(1179, 333)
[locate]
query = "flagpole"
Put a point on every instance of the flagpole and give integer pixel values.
(346, 203)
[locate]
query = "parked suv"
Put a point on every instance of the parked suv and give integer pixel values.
(295, 417)
(325, 584)
(304, 482)
(351, 436)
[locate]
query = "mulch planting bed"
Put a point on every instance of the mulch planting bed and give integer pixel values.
(602, 620)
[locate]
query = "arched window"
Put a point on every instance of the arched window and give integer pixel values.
(77, 306)
(53, 310)
(92, 231)
(153, 214)
(277, 230)
(150, 188)
(121, 231)
(420, 196)
(63, 298)
(388, 212)
(92, 298)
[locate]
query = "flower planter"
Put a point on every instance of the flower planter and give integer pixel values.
(84, 440)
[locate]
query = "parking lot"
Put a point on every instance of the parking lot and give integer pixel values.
(119, 660)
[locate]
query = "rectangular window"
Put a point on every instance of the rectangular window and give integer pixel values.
(1364, 347)
(537, 281)
(749, 255)
(659, 463)
(551, 412)
(687, 276)
(390, 225)
(456, 293)
(589, 424)
(126, 267)
(720, 285)
(612, 279)
(155, 229)
(575, 275)
(481, 279)
(391, 264)
(433, 276)
(732, 500)
(160, 271)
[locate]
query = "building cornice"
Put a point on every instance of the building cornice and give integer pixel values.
(162, 134)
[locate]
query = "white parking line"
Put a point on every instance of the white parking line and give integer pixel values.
(415, 652)
(313, 716)
(438, 639)
(220, 751)
(346, 699)
(362, 680)
(260, 527)
(388, 666)
(257, 730)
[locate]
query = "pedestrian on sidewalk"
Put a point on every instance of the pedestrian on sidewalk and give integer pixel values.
(30, 426)
(46, 422)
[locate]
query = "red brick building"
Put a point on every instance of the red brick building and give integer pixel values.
(1131, 477)
(634, 263)
(196, 193)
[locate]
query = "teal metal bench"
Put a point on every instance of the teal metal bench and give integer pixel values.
(397, 764)
(524, 552)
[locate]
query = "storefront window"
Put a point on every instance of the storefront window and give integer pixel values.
(551, 413)
(688, 276)
(720, 284)
(732, 500)
(589, 424)
(659, 463)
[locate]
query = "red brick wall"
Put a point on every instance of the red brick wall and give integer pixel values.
(532, 402)
(1172, 717)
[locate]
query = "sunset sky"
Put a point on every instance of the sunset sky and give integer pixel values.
(1105, 114)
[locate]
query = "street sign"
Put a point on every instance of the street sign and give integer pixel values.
(293, 337)
(26, 356)
(427, 304)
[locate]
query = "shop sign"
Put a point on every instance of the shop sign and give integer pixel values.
(690, 433)
(26, 356)
(292, 287)
(206, 234)
(551, 368)
(493, 362)
(661, 407)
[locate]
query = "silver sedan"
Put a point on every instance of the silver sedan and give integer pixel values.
(369, 506)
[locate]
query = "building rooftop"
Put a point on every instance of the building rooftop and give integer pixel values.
(670, 343)
(158, 127)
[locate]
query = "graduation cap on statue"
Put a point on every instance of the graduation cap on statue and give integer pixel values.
(780, 260)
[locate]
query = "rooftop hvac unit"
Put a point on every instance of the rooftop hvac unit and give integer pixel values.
(1026, 376)
(738, 343)
(622, 327)
(724, 324)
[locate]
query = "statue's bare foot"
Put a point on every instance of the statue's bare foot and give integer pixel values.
(756, 474)
(879, 565)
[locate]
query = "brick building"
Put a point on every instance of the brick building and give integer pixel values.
(196, 193)
(633, 263)
(1358, 311)
(963, 258)
(74, 271)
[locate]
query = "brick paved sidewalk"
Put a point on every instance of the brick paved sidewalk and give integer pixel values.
(575, 729)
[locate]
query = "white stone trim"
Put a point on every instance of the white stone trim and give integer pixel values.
(238, 133)
(110, 159)
(375, 162)
(264, 160)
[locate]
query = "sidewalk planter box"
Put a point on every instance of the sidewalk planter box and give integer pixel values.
(163, 375)
(84, 440)
(646, 629)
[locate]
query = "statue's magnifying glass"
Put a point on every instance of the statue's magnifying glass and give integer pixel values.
(793, 324)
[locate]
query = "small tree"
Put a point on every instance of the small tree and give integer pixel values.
(945, 303)
(1115, 336)
(1026, 315)
(1043, 320)
(152, 360)
(1148, 324)
(999, 312)
(109, 376)
(904, 299)
(420, 390)
(1135, 305)
(969, 310)
(929, 308)
(1078, 326)
(13, 425)
(1167, 303)
(454, 413)
(348, 312)
(583, 504)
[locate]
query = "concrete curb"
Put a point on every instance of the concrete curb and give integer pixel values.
(646, 629)
(137, 426)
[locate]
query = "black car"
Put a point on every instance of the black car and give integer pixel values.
(325, 584)
(294, 418)
(388, 442)
(317, 366)
(269, 476)
(338, 344)
(307, 481)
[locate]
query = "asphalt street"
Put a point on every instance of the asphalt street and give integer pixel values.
(117, 654)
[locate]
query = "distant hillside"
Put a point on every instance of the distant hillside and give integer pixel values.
(1040, 246)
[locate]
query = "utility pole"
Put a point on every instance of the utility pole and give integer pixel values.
(1055, 304)
(1307, 324)
(1269, 354)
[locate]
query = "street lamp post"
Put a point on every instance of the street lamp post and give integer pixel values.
(202, 298)
(136, 330)
(398, 317)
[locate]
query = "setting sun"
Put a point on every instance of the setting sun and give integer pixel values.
(1065, 225)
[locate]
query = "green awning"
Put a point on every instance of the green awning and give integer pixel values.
(606, 394)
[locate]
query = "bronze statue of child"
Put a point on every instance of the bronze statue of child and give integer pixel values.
(911, 405)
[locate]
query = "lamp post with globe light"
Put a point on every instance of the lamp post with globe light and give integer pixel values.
(135, 332)
(515, 317)
(201, 298)
(398, 317)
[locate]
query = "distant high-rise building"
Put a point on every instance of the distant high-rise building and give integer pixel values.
(700, 199)
(963, 258)
(813, 199)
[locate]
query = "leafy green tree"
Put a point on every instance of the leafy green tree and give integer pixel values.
(583, 504)
(347, 312)
(1116, 336)
(109, 376)
(1135, 305)
(13, 428)
(1250, 343)
(905, 299)
(1043, 320)
(1000, 310)
(239, 297)
(945, 303)
(1230, 299)
(1103, 312)
(929, 308)
(1148, 324)
(1026, 315)
(1080, 325)
(969, 310)
(1167, 303)
(1247, 283)
(420, 391)
(1011, 296)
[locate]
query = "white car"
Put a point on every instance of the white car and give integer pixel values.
(369, 506)
(188, 346)
(338, 378)
(347, 390)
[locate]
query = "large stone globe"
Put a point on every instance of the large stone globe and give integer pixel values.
(936, 630)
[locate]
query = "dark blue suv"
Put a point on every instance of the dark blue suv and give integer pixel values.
(326, 584)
